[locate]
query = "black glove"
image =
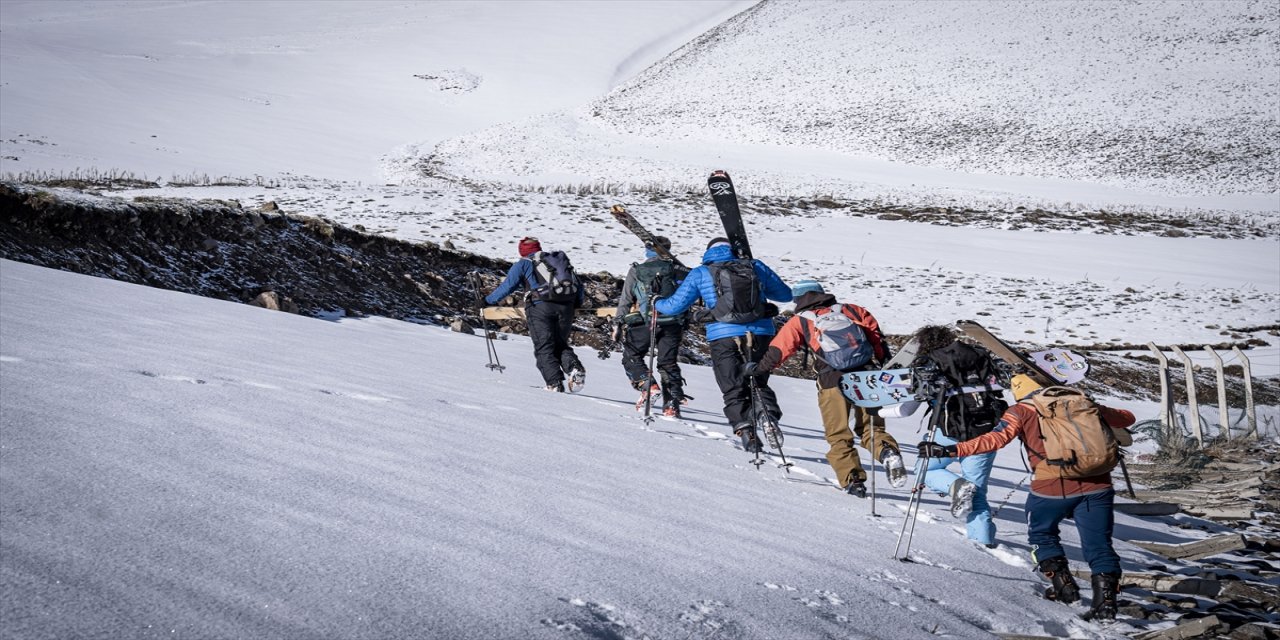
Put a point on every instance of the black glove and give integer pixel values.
(934, 450)
(616, 334)
(752, 370)
(480, 302)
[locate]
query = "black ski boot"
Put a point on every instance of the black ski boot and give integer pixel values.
(1106, 587)
(857, 489)
(750, 439)
(1064, 587)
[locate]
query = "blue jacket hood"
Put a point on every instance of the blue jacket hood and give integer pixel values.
(718, 253)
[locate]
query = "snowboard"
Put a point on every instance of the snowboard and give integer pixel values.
(905, 355)
(1007, 353)
(879, 388)
(889, 387)
(1067, 366)
(726, 200)
(629, 221)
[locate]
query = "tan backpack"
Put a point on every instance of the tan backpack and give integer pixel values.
(1077, 441)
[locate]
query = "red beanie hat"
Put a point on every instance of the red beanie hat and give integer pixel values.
(529, 245)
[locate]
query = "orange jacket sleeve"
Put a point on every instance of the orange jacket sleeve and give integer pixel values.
(789, 340)
(1010, 427)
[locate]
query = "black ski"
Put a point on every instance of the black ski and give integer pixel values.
(1002, 350)
(726, 200)
(629, 221)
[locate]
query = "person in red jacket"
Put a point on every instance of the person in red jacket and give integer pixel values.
(813, 302)
(1088, 500)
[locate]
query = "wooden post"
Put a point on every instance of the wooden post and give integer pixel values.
(1249, 411)
(1166, 398)
(1224, 424)
(1192, 404)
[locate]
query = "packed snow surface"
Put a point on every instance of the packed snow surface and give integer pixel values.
(176, 465)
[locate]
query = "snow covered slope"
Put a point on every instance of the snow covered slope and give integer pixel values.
(274, 88)
(177, 466)
(1161, 103)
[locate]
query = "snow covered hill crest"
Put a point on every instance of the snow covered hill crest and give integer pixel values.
(1176, 98)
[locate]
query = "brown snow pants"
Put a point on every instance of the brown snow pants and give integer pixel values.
(842, 457)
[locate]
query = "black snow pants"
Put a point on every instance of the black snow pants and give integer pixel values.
(635, 350)
(549, 326)
(727, 357)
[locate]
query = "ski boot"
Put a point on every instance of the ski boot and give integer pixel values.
(671, 410)
(894, 468)
(750, 439)
(1064, 587)
(857, 489)
(557, 387)
(962, 497)
(577, 380)
(654, 393)
(1106, 587)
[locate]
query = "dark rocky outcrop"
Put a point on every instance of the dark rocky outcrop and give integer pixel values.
(219, 249)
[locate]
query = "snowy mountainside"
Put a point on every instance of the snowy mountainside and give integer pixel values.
(181, 465)
(1108, 102)
(192, 90)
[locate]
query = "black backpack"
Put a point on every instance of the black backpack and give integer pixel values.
(556, 280)
(660, 277)
(739, 299)
(965, 416)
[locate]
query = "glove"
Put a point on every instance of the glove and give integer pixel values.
(752, 370)
(928, 449)
(616, 335)
(480, 302)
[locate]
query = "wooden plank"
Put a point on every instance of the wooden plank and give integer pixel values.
(1222, 513)
(1190, 629)
(1164, 583)
(1147, 508)
(1195, 550)
(517, 313)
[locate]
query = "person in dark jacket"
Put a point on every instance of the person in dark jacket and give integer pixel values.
(635, 326)
(812, 302)
(733, 344)
(549, 322)
(1089, 501)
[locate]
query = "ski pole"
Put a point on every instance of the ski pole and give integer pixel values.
(922, 470)
(871, 425)
(490, 349)
(766, 424)
(1127, 482)
(653, 355)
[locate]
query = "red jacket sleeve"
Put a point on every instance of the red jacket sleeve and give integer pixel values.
(1117, 418)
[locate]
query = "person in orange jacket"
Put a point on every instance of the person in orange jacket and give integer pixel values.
(1088, 500)
(813, 302)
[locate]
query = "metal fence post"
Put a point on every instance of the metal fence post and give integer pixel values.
(1249, 411)
(1166, 398)
(1192, 403)
(1224, 425)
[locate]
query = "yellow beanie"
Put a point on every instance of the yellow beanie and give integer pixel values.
(1022, 386)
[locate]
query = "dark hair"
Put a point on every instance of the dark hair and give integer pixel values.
(934, 337)
(662, 241)
(717, 240)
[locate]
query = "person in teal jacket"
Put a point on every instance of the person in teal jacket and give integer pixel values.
(733, 344)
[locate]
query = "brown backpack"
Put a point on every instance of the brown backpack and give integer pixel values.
(1077, 441)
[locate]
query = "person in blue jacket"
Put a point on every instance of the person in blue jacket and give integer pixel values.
(550, 321)
(733, 344)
